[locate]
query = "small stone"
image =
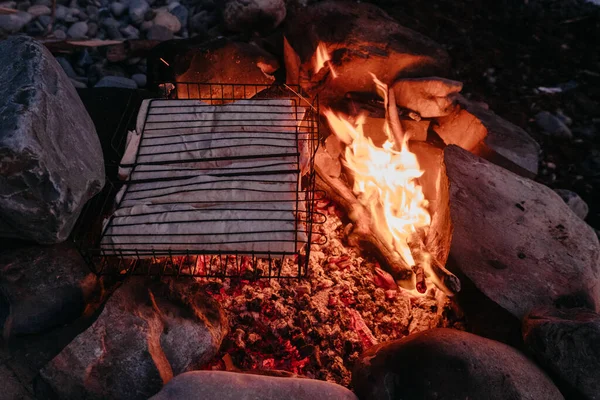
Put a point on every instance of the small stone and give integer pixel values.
(137, 10)
(84, 59)
(159, 32)
(552, 125)
(66, 66)
(23, 5)
(130, 32)
(575, 203)
(93, 12)
(12, 23)
(563, 117)
(34, 28)
(60, 34)
(39, 10)
(45, 20)
(201, 22)
(92, 29)
(181, 13)
(116, 81)
(61, 12)
(117, 9)
(140, 79)
(111, 26)
(146, 25)
(78, 85)
(168, 20)
(78, 30)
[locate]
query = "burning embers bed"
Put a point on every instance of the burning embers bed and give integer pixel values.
(319, 326)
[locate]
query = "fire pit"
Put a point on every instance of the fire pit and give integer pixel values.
(320, 204)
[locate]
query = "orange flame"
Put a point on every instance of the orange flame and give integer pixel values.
(385, 180)
(322, 58)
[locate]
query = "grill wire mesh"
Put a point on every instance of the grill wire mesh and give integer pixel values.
(158, 255)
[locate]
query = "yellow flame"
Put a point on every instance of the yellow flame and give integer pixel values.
(385, 180)
(322, 58)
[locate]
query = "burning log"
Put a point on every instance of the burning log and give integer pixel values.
(426, 263)
(362, 231)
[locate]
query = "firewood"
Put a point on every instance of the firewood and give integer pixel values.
(421, 285)
(362, 232)
(441, 277)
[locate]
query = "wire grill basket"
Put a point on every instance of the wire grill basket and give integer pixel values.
(237, 157)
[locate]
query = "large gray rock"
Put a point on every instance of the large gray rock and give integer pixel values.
(43, 287)
(50, 156)
(147, 333)
(219, 385)
(446, 363)
(516, 240)
(567, 343)
(365, 41)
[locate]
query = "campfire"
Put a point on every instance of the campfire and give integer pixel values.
(288, 206)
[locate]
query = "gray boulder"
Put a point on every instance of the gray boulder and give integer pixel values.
(516, 240)
(567, 343)
(447, 363)
(43, 287)
(220, 385)
(147, 333)
(50, 156)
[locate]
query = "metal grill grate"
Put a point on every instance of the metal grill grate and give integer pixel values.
(217, 186)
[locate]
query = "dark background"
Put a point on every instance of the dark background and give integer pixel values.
(503, 50)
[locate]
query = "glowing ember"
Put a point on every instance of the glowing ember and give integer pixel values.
(322, 58)
(385, 179)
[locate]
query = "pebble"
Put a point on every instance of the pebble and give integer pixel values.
(12, 23)
(78, 30)
(168, 20)
(35, 28)
(575, 203)
(181, 13)
(552, 125)
(201, 22)
(130, 32)
(45, 20)
(61, 12)
(116, 81)
(78, 85)
(38, 10)
(93, 13)
(92, 29)
(146, 25)
(60, 34)
(138, 10)
(66, 66)
(140, 79)
(159, 32)
(117, 9)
